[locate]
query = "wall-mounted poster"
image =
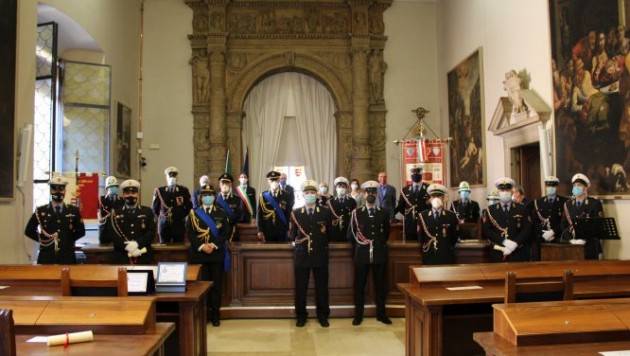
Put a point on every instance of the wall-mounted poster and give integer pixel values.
(465, 122)
(591, 87)
(7, 97)
(123, 141)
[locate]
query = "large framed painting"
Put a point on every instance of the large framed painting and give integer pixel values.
(8, 23)
(591, 87)
(465, 121)
(123, 141)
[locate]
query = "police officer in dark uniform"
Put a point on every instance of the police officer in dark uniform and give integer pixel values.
(273, 211)
(106, 203)
(323, 196)
(247, 195)
(340, 207)
(466, 209)
(171, 204)
(207, 228)
(56, 226)
(508, 226)
(311, 229)
(546, 213)
(288, 189)
(230, 203)
(203, 180)
(581, 206)
(439, 229)
(413, 200)
(132, 227)
(368, 231)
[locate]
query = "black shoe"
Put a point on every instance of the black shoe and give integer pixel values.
(300, 323)
(324, 323)
(384, 319)
(357, 320)
(216, 322)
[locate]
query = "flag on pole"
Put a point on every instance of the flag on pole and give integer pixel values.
(228, 164)
(246, 162)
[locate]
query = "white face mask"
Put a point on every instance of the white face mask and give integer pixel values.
(354, 186)
(274, 185)
(171, 181)
(243, 181)
(323, 190)
(505, 197)
(436, 203)
(341, 191)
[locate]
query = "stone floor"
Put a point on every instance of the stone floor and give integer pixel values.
(280, 337)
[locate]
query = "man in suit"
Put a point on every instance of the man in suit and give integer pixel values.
(439, 229)
(273, 211)
(203, 180)
(207, 228)
(247, 195)
(107, 203)
(287, 188)
(171, 204)
(508, 226)
(311, 229)
(368, 232)
(581, 206)
(230, 203)
(386, 195)
(340, 207)
(413, 200)
(132, 227)
(466, 209)
(546, 213)
(56, 226)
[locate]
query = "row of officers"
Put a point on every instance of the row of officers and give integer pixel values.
(210, 225)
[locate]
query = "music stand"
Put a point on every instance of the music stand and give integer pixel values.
(601, 228)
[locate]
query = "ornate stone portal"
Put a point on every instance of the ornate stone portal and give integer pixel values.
(235, 44)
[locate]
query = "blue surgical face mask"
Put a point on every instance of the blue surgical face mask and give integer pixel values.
(577, 191)
(207, 200)
(310, 198)
(113, 190)
(551, 191)
(464, 194)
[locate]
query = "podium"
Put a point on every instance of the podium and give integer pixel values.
(561, 252)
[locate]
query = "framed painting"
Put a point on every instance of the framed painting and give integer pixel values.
(123, 141)
(8, 27)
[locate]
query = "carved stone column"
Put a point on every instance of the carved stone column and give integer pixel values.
(360, 102)
(235, 144)
(344, 143)
(218, 132)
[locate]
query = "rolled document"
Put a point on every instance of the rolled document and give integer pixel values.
(71, 338)
(500, 248)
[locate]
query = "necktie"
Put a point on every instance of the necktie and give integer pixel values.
(505, 209)
(310, 211)
(58, 209)
(371, 211)
(579, 204)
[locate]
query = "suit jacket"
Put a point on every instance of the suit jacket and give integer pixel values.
(386, 197)
(136, 224)
(318, 226)
(445, 229)
(290, 196)
(374, 228)
(198, 233)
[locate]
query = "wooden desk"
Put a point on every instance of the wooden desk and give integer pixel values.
(431, 309)
(561, 252)
(118, 345)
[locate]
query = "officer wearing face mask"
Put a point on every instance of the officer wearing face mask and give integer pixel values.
(132, 227)
(368, 232)
(341, 206)
(208, 228)
(203, 180)
(106, 203)
(247, 195)
(322, 194)
(581, 206)
(507, 225)
(56, 226)
(171, 203)
(311, 229)
(546, 213)
(439, 229)
(466, 209)
(230, 203)
(413, 200)
(288, 189)
(273, 211)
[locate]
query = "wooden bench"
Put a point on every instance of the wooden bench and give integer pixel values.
(7, 333)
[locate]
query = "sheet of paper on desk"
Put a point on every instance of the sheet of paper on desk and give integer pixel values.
(464, 288)
(616, 353)
(137, 282)
(43, 339)
(4, 287)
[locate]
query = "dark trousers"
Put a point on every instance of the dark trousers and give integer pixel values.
(411, 228)
(302, 275)
(380, 287)
(173, 232)
(213, 272)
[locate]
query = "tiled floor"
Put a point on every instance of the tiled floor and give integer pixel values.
(280, 337)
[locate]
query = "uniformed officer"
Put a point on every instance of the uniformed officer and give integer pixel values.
(171, 203)
(311, 229)
(132, 227)
(203, 180)
(207, 228)
(56, 226)
(439, 229)
(322, 194)
(508, 226)
(340, 207)
(106, 203)
(492, 197)
(273, 211)
(546, 213)
(289, 191)
(466, 209)
(581, 206)
(247, 195)
(369, 230)
(413, 200)
(230, 203)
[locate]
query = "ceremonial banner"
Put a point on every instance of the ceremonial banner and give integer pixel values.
(427, 154)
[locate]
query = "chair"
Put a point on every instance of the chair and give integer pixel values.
(539, 290)
(119, 283)
(7, 333)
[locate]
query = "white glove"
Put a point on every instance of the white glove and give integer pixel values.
(548, 235)
(577, 242)
(506, 251)
(136, 253)
(510, 245)
(131, 246)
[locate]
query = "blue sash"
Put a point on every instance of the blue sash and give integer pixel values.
(269, 199)
(207, 219)
(226, 207)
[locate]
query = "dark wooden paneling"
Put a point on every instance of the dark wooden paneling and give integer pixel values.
(8, 31)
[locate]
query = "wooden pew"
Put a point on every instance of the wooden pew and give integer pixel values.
(187, 310)
(431, 308)
(7, 333)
